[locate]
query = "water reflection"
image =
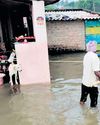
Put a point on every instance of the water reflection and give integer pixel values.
(55, 104)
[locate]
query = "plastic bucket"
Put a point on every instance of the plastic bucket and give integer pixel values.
(1, 78)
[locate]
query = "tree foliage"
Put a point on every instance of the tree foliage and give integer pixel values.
(92, 5)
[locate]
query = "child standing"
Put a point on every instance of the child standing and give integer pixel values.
(14, 69)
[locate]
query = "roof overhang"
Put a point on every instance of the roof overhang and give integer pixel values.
(19, 2)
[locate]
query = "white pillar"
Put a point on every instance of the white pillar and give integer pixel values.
(39, 22)
(33, 56)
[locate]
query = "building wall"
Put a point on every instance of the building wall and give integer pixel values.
(92, 30)
(66, 34)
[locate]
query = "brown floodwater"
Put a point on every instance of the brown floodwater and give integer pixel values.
(55, 104)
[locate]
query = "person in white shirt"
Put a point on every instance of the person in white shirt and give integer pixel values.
(14, 70)
(12, 56)
(91, 75)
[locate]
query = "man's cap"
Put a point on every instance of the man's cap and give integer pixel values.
(91, 46)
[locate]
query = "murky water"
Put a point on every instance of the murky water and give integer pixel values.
(57, 104)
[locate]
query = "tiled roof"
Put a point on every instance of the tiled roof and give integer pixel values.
(71, 15)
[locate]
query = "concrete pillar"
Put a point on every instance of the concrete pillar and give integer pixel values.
(33, 56)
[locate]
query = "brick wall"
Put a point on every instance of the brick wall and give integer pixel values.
(66, 34)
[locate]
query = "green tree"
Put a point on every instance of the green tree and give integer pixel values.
(89, 4)
(92, 5)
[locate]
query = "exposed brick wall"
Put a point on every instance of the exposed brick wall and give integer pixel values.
(68, 34)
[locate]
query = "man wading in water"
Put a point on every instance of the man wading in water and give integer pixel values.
(91, 75)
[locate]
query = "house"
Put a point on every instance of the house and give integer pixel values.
(22, 20)
(16, 20)
(71, 29)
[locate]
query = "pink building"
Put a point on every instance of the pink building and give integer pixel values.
(27, 20)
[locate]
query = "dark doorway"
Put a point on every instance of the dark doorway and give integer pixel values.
(17, 19)
(5, 31)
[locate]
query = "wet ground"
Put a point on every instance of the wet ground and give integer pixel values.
(57, 104)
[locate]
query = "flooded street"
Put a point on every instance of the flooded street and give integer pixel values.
(57, 104)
